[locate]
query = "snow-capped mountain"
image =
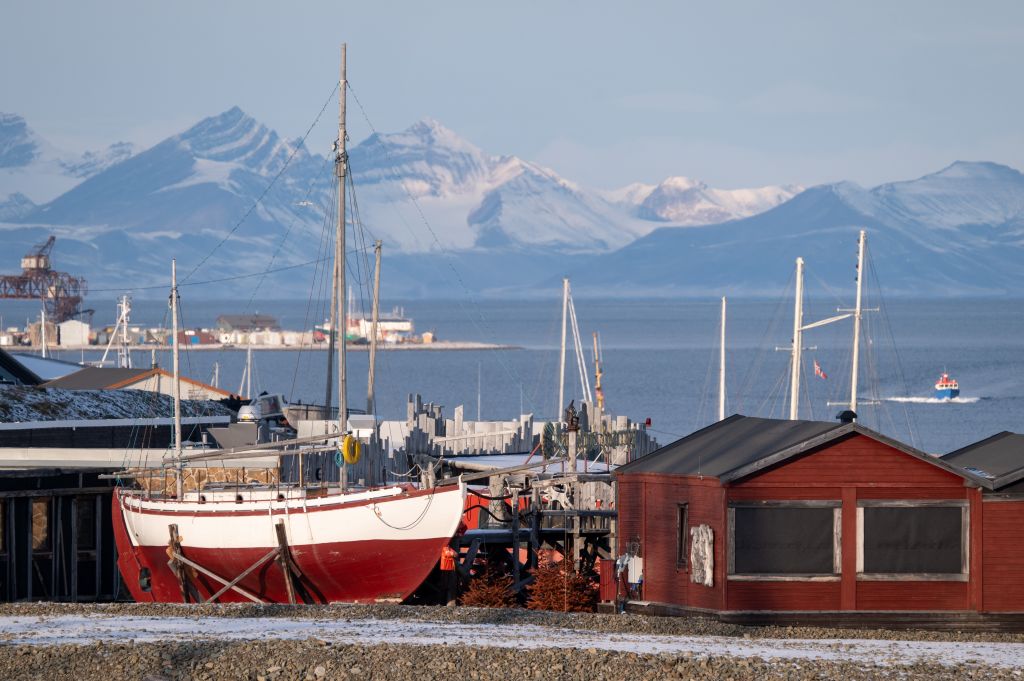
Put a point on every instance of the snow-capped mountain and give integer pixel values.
(37, 171)
(232, 194)
(959, 231)
(685, 201)
(472, 200)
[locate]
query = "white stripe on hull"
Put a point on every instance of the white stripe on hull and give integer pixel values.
(391, 516)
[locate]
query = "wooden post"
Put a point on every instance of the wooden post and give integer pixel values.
(174, 552)
(283, 562)
(515, 536)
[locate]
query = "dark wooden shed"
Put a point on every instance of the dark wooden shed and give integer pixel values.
(754, 515)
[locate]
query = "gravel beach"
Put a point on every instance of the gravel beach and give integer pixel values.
(137, 641)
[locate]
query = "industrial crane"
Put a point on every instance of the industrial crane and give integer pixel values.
(60, 292)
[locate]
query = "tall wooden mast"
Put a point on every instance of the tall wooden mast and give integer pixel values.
(341, 170)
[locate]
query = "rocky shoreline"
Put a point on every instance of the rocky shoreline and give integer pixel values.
(204, 656)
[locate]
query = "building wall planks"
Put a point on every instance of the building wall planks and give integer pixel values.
(1003, 556)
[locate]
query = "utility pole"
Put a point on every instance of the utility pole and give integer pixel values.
(561, 356)
(370, 406)
(721, 368)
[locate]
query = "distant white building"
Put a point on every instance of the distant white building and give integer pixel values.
(73, 333)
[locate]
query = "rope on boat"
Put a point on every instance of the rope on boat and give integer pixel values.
(414, 523)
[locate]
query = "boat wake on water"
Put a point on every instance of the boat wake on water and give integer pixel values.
(935, 400)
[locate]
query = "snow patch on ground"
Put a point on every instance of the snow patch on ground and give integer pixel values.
(77, 629)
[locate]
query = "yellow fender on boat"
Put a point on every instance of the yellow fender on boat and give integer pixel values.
(351, 449)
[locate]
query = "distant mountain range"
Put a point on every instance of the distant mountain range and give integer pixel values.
(489, 225)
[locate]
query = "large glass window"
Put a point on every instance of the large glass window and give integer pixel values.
(784, 539)
(913, 538)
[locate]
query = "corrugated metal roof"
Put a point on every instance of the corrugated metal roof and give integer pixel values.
(999, 458)
(96, 378)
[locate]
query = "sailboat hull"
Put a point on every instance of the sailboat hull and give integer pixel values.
(367, 547)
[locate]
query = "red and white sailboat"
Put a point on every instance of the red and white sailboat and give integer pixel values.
(284, 543)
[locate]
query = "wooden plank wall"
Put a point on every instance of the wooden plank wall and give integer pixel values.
(1003, 556)
(854, 469)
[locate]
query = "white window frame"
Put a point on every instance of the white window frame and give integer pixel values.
(965, 544)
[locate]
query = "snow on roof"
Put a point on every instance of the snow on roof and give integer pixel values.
(19, 404)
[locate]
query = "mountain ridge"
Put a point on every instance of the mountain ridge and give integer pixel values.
(959, 229)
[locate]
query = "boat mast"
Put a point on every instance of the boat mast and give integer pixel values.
(124, 355)
(598, 390)
(42, 331)
(176, 385)
(798, 320)
(721, 368)
(370, 406)
(561, 357)
(341, 168)
(856, 320)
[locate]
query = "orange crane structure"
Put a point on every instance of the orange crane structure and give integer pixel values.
(60, 292)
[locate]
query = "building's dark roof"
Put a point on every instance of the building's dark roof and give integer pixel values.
(999, 458)
(727, 445)
(740, 446)
(247, 322)
(96, 378)
(14, 372)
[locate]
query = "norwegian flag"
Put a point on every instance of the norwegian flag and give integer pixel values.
(818, 371)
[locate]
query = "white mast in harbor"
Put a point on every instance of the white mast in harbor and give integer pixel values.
(721, 367)
(798, 320)
(561, 357)
(798, 334)
(124, 355)
(370, 405)
(856, 320)
(176, 385)
(42, 331)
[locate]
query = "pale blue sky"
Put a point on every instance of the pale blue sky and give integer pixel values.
(606, 93)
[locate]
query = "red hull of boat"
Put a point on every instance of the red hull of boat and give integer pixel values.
(351, 572)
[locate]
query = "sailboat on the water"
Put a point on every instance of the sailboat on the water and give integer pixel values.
(280, 543)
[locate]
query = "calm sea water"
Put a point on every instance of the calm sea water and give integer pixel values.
(660, 360)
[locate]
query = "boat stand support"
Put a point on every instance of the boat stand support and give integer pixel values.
(292, 574)
(178, 564)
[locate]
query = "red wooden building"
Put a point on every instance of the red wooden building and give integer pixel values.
(755, 515)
